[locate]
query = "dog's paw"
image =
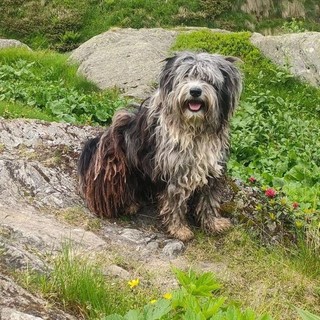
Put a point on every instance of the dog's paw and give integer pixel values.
(182, 233)
(216, 225)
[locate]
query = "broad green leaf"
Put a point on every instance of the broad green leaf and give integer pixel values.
(158, 310)
(133, 315)
(306, 315)
(113, 317)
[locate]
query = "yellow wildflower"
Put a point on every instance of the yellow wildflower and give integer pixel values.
(272, 216)
(167, 296)
(153, 301)
(134, 283)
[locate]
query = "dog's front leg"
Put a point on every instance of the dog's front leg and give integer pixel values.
(173, 210)
(206, 206)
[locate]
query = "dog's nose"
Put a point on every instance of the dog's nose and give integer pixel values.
(195, 92)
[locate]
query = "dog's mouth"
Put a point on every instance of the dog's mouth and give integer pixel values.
(195, 105)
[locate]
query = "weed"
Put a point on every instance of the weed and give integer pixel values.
(262, 278)
(293, 26)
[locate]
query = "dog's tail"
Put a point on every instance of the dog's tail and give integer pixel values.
(86, 156)
(103, 171)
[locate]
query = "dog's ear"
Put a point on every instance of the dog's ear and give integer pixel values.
(166, 77)
(233, 59)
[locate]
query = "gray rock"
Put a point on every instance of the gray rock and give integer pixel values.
(11, 314)
(17, 303)
(134, 235)
(129, 59)
(173, 248)
(9, 43)
(116, 271)
(298, 52)
(38, 162)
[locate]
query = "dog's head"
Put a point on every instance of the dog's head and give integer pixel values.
(200, 88)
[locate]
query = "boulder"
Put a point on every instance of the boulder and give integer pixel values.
(297, 52)
(128, 59)
(7, 43)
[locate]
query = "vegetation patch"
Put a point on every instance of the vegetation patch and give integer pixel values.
(263, 278)
(79, 285)
(50, 89)
(77, 216)
(64, 24)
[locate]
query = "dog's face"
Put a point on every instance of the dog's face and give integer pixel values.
(200, 88)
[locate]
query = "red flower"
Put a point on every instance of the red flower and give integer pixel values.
(270, 193)
(252, 179)
(295, 205)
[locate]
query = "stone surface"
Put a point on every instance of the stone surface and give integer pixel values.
(129, 59)
(173, 248)
(297, 52)
(8, 43)
(17, 303)
(38, 180)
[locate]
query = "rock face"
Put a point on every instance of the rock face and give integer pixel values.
(129, 59)
(298, 52)
(7, 43)
(38, 187)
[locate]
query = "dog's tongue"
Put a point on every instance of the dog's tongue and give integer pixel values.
(194, 106)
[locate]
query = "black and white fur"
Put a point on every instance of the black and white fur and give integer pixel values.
(173, 147)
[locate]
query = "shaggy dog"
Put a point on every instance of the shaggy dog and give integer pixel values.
(173, 148)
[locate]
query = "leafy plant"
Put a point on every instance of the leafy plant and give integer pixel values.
(306, 315)
(197, 299)
(37, 83)
(293, 26)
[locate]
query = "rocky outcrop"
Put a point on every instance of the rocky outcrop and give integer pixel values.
(18, 304)
(9, 43)
(41, 210)
(129, 59)
(299, 53)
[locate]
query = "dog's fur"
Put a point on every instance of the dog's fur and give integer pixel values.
(173, 147)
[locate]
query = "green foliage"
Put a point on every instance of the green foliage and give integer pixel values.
(293, 26)
(193, 301)
(214, 8)
(269, 136)
(48, 83)
(306, 315)
(64, 24)
(42, 23)
(78, 284)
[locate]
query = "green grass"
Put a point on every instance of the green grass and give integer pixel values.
(275, 132)
(10, 110)
(50, 88)
(270, 279)
(77, 284)
(248, 277)
(64, 24)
